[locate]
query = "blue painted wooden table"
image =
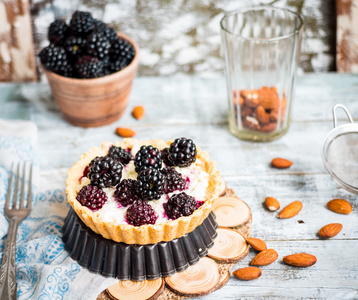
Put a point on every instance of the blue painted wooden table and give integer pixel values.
(197, 108)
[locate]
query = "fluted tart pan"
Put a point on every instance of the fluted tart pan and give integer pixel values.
(136, 262)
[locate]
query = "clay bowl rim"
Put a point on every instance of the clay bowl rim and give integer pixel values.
(104, 79)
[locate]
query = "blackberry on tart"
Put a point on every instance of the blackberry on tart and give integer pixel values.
(147, 157)
(104, 171)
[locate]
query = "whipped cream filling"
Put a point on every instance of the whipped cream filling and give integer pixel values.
(197, 182)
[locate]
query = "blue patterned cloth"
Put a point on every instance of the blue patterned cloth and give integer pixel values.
(44, 269)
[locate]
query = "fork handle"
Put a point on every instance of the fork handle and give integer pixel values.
(7, 271)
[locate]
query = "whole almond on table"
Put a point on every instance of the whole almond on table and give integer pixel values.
(125, 132)
(257, 244)
(340, 206)
(264, 258)
(300, 260)
(330, 230)
(281, 163)
(138, 112)
(272, 203)
(290, 210)
(248, 273)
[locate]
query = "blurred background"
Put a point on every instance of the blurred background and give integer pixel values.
(175, 36)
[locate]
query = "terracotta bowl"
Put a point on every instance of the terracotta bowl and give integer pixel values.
(94, 102)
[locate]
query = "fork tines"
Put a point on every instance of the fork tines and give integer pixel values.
(15, 192)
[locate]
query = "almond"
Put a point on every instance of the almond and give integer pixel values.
(251, 123)
(248, 273)
(125, 132)
(246, 111)
(268, 99)
(340, 206)
(274, 89)
(250, 98)
(300, 260)
(330, 230)
(273, 117)
(241, 101)
(272, 203)
(138, 112)
(281, 163)
(264, 258)
(268, 127)
(290, 210)
(262, 116)
(256, 243)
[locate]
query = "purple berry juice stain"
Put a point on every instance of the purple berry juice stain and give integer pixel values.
(199, 203)
(85, 172)
(187, 182)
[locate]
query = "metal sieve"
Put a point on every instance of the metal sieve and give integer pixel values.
(340, 152)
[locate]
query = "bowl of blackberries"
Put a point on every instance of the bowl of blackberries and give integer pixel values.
(90, 68)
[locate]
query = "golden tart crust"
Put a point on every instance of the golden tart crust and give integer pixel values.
(145, 234)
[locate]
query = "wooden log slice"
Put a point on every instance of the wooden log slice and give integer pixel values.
(232, 212)
(139, 290)
(230, 192)
(223, 187)
(198, 280)
(224, 278)
(169, 295)
(229, 246)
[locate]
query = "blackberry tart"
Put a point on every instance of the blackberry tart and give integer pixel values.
(163, 199)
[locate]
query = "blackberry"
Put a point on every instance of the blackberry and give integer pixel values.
(147, 157)
(89, 67)
(182, 152)
(98, 45)
(108, 32)
(92, 197)
(150, 184)
(179, 205)
(115, 66)
(58, 32)
(140, 213)
(82, 23)
(125, 192)
(173, 180)
(75, 46)
(120, 154)
(165, 159)
(122, 51)
(54, 59)
(104, 171)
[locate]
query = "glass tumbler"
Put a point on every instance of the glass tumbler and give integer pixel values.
(262, 49)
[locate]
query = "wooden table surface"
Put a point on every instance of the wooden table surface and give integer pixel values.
(197, 108)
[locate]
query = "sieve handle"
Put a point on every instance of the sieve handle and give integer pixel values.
(335, 115)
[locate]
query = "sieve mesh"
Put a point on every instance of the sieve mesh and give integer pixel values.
(342, 157)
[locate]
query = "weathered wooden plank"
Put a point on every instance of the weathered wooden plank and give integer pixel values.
(184, 36)
(347, 35)
(17, 61)
(234, 157)
(194, 107)
(334, 276)
(194, 100)
(314, 191)
(183, 106)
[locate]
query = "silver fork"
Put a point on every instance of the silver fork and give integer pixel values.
(15, 214)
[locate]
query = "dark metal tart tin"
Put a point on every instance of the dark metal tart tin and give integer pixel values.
(136, 262)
